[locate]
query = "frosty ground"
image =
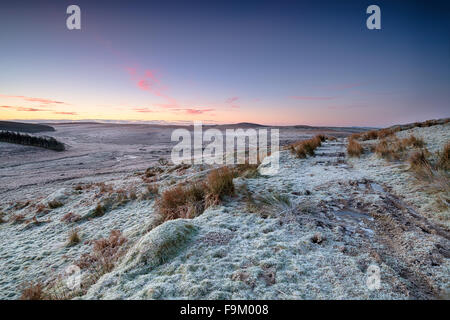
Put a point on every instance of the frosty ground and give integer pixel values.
(326, 219)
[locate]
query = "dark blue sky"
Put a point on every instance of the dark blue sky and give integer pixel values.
(274, 62)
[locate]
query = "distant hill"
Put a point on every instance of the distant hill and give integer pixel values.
(24, 127)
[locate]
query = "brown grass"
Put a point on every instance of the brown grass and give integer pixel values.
(413, 141)
(18, 218)
(219, 184)
(182, 202)
(390, 149)
(41, 208)
(151, 191)
(443, 162)
(105, 253)
(54, 204)
(99, 210)
(370, 135)
(307, 147)
(153, 171)
(419, 163)
(354, 148)
(105, 188)
(74, 237)
(70, 217)
(190, 201)
(33, 291)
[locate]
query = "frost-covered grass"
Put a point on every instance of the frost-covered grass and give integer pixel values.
(309, 232)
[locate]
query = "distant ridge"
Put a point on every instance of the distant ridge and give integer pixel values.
(24, 127)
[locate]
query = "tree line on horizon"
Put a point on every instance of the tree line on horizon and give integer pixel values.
(28, 140)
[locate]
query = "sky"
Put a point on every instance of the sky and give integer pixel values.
(269, 62)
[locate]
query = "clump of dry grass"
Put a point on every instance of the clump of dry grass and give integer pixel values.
(307, 147)
(18, 218)
(2, 217)
(191, 200)
(99, 210)
(21, 204)
(153, 171)
(105, 188)
(41, 208)
(394, 148)
(370, 135)
(182, 202)
(219, 184)
(54, 204)
(443, 162)
(33, 291)
(74, 238)
(104, 255)
(390, 149)
(151, 191)
(413, 141)
(70, 217)
(354, 148)
(419, 162)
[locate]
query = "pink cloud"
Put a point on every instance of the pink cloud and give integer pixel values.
(311, 98)
(143, 110)
(29, 109)
(23, 108)
(148, 81)
(32, 99)
(196, 111)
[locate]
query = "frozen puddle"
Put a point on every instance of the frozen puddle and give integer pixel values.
(354, 220)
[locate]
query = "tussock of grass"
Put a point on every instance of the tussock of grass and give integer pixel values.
(105, 188)
(105, 253)
(151, 191)
(182, 202)
(18, 218)
(419, 162)
(54, 204)
(191, 200)
(354, 148)
(33, 291)
(413, 141)
(219, 184)
(394, 148)
(99, 210)
(443, 162)
(153, 171)
(70, 217)
(74, 238)
(391, 150)
(303, 148)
